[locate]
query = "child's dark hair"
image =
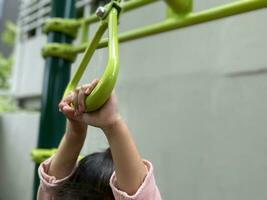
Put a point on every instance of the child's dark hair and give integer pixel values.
(91, 179)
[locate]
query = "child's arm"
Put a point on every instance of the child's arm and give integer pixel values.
(69, 149)
(129, 167)
(71, 144)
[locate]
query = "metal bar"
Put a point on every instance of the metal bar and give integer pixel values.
(133, 4)
(180, 7)
(84, 33)
(169, 24)
(56, 77)
(107, 82)
(126, 6)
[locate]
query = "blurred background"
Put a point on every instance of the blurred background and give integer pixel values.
(194, 98)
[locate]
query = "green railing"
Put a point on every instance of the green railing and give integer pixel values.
(179, 15)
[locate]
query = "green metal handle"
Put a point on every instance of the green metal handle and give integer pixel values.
(104, 88)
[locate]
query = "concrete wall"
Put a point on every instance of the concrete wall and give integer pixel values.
(18, 135)
(9, 11)
(195, 100)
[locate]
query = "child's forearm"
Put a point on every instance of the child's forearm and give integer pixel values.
(129, 167)
(69, 149)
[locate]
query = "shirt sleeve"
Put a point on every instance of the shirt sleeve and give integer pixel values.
(49, 185)
(147, 191)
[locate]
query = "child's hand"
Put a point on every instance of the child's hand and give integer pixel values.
(106, 116)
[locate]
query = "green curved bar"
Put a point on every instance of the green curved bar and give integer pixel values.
(107, 82)
(103, 90)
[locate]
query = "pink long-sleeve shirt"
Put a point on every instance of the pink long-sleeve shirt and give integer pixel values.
(49, 185)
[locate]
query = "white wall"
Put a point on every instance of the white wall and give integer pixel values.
(18, 135)
(195, 100)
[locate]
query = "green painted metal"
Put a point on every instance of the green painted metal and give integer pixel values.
(102, 91)
(169, 24)
(84, 32)
(133, 4)
(107, 82)
(69, 27)
(56, 77)
(175, 20)
(65, 51)
(180, 7)
(40, 155)
(125, 6)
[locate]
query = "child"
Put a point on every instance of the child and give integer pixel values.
(93, 178)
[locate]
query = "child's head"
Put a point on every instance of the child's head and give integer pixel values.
(91, 179)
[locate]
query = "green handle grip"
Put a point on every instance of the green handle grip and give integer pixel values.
(104, 88)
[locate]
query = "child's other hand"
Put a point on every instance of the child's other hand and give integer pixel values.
(104, 117)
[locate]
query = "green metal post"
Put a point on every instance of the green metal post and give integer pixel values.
(56, 77)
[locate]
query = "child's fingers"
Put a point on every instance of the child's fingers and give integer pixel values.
(94, 82)
(66, 100)
(87, 88)
(69, 98)
(75, 98)
(92, 86)
(81, 99)
(67, 108)
(61, 105)
(68, 111)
